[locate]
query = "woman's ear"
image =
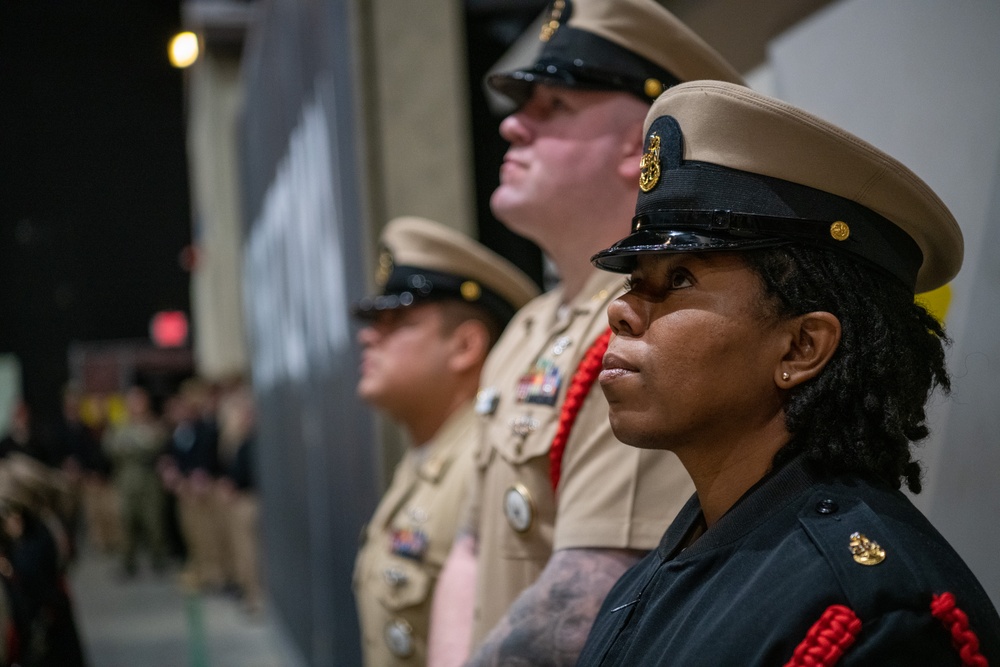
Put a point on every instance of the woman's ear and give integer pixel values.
(815, 337)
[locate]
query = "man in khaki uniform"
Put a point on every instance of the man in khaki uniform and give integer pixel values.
(562, 508)
(445, 300)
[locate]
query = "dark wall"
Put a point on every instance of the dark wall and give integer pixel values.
(303, 266)
(93, 193)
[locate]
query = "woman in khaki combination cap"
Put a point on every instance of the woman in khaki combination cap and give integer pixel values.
(561, 508)
(769, 337)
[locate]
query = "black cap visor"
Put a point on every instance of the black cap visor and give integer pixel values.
(621, 257)
(519, 84)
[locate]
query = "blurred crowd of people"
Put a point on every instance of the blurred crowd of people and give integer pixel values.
(171, 481)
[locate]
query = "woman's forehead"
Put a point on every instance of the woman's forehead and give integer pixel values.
(653, 263)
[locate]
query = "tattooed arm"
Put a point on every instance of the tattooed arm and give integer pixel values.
(548, 623)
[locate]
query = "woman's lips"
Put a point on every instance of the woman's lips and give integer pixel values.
(615, 367)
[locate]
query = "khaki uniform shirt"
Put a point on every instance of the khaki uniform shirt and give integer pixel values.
(610, 495)
(407, 541)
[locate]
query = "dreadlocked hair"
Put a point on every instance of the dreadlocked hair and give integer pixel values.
(862, 412)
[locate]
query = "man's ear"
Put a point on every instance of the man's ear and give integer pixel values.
(814, 338)
(632, 141)
(470, 343)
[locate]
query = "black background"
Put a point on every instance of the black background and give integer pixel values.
(94, 210)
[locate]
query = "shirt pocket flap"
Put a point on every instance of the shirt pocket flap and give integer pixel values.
(525, 435)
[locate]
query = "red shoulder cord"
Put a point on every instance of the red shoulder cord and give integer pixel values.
(835, 631)
(956, 622)
(579, 387)
(827, 639)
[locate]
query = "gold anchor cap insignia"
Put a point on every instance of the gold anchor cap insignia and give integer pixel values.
(865, 551)
(649, 166)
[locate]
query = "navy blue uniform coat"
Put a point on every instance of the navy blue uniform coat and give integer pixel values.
(749, 589)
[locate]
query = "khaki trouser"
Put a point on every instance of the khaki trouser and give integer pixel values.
(242, 511)
(208, 566)
(101, 514)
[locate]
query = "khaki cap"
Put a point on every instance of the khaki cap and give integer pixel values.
(422, 260)
(14, 493)
(726, 168)
(634, 46)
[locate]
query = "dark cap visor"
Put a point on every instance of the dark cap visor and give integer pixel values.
(621, 257)
(519, 84)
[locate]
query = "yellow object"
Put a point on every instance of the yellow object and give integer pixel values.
(936, 301)
(649, 166)
(840, 230)
(865, 551)
(184, 49)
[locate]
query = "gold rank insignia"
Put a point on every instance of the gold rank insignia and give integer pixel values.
(865, 551)
(552, 24)
(384, 267)
(649, 166)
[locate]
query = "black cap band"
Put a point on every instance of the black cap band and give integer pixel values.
(580, 59)
(408, 285)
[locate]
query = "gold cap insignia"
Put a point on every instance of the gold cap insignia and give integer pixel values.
(384, 268)
(865, 551)
(840, 230)
(470, 290)
(649, 166)
(652, 87)
(549, 27)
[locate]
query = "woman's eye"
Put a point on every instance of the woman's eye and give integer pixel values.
(679, 280)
